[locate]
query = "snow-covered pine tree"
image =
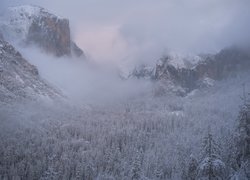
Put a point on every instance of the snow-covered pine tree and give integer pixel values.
(79, 171)
(211, 167)
(243, 144)
(136, 166)
(49, 174)
(192, 168)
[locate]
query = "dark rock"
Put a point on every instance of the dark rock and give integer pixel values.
(51, 34)
(33, 25)
(224, 63)
(216, 67)
(143, 71)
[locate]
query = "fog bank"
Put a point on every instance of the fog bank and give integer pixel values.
(129, 31)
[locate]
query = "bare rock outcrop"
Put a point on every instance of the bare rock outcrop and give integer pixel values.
(216, 67)
(34, 25)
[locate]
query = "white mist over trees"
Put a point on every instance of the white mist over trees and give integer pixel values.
(147, 142)
(181, 117)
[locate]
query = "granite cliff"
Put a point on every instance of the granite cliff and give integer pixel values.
(33, 25)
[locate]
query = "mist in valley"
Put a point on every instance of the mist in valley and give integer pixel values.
(161, 91)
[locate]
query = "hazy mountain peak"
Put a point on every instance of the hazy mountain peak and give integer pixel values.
(18, 19)
(30, 24)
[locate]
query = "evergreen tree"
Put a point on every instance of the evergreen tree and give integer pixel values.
(136, 166)
(243, 143)
(243, 146)
(211, 167)
(192, 168)
(50, 174)
(158, 172)
(79, 171)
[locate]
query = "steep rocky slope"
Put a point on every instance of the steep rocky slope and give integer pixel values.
(35, 25)
(209, 68)
(19, 79)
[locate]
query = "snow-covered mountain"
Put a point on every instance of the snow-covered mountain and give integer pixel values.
(19, 79)
(137, 135)
(192, 72)
(29, 25)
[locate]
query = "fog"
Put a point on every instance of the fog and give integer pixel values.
(129, 31)
(116, 128)
(82, 81)
(119, 35)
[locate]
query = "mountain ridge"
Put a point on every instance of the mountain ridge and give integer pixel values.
(34, 25)
(209, 68)
(19, 79)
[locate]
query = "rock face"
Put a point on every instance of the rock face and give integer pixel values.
(51, 34)
(35, 25)
(210, 68)
(226, 62)
(18, 78)
(143, 71)
(76, 50)
(215, 67)
(184, 77)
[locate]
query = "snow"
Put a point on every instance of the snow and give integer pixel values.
(168, 128)
(177, 113)
(28, 10)
(110, 138)
(180, 60)
(18, 78)
(16, 21)
(208, 81)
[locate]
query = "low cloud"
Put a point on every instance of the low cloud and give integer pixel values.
(115, 31)
(83, 82)
(123, 34)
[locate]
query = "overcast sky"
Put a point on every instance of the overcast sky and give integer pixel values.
(143, 29)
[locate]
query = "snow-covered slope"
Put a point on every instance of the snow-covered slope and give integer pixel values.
(17, 20)
(19, 79)
(181, 60)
